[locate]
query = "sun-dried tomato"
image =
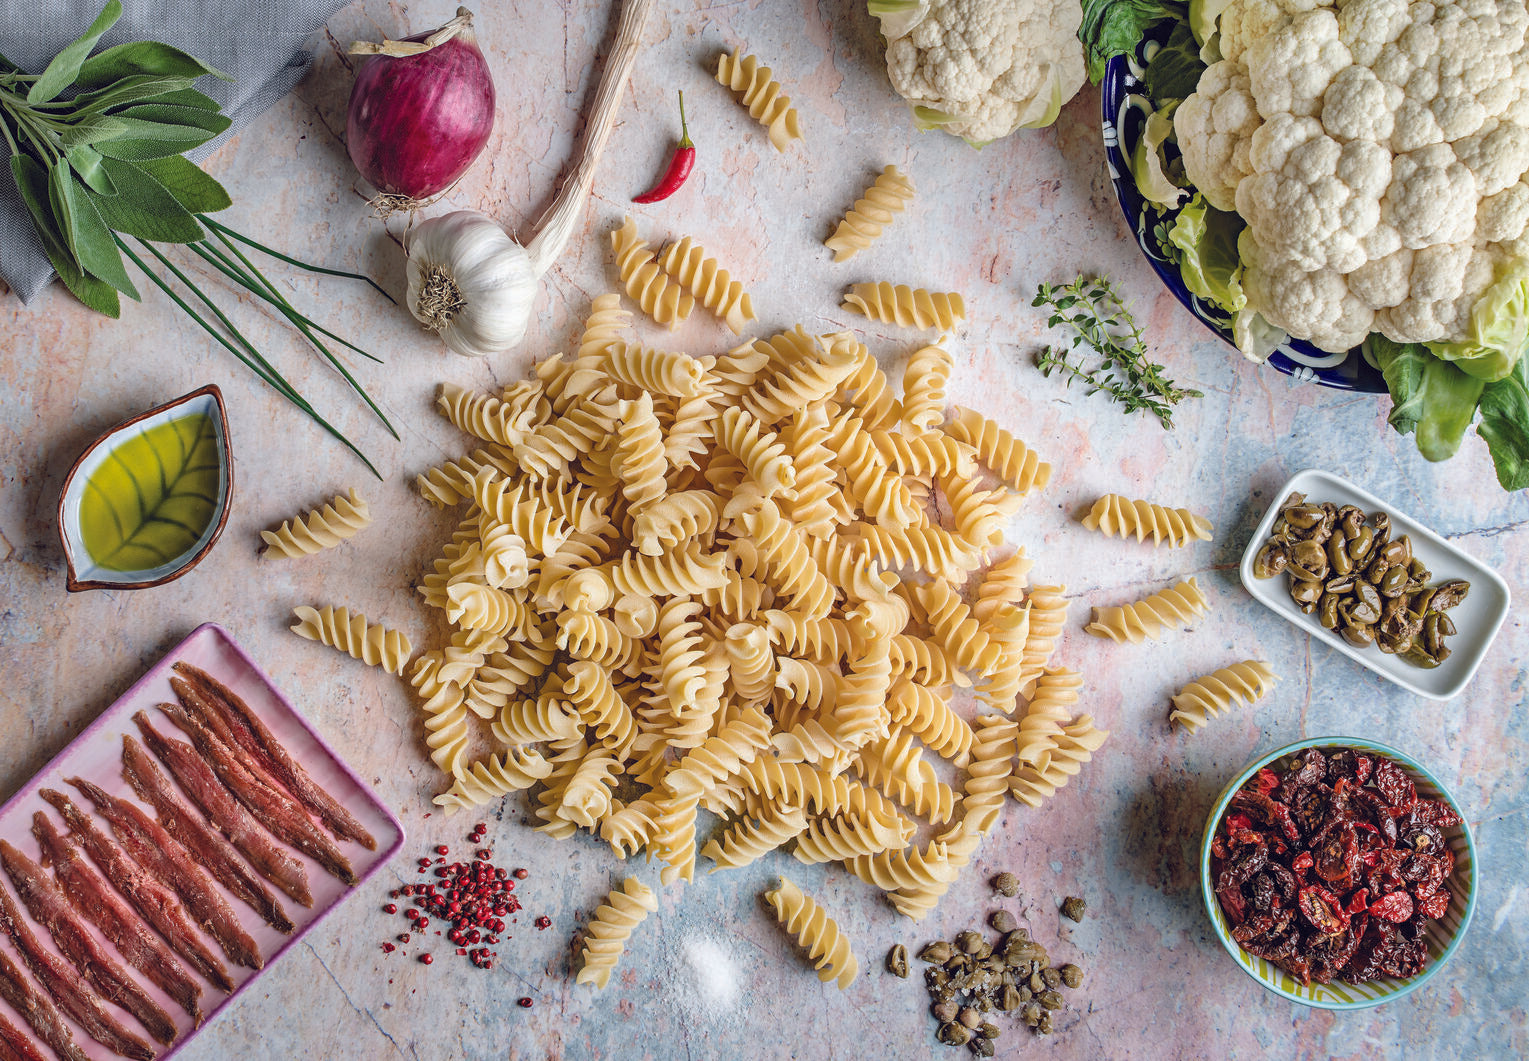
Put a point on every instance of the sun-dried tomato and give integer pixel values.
(1261, 808)
(1358, 902)
(1323, 910)
(1351, 764)
(1396, 907)
(1309, 807)
(1376, 812)
(1396, 788)
(1302, 864)
(1265, 781)
(1423, 839)
(1235, 823)
(1434, 905)
(1434, 812)
(1338, 855)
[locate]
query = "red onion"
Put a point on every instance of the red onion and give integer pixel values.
(421, 110)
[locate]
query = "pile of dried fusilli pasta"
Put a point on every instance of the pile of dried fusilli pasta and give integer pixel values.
(722, 583)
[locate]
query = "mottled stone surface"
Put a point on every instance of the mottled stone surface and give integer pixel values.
(1125, 833)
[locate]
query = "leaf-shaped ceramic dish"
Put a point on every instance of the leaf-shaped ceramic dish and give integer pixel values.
(146, 501)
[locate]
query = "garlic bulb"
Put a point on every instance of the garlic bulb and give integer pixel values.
(469, 282)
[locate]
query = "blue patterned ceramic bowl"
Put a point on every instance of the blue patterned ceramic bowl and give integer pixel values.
(1123, 125)
(1444, 935)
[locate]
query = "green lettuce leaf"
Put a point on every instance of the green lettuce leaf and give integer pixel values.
(1175, 70)
(1114, 27)
(1203, 15)
(1499, 328)
(1148, 164)
(1208, 262)
(1431, 399)
(1505, 426)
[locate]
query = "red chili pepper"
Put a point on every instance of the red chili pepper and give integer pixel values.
(680, 165)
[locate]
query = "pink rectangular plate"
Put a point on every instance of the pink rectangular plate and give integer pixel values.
(96, 755)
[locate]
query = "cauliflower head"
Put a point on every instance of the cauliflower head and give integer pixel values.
(1379, 152)
(980, 69)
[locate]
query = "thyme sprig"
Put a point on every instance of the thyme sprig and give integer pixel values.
(1100, 322)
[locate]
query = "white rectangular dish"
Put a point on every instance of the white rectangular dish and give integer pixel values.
(96, 755)
(1477, 618)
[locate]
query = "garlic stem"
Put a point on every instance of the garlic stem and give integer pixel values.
(557, 224)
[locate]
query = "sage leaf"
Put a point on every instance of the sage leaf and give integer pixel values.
(92, 242)
(142, 57)
(92, 128)
(184, 117)
(130, 90)
(65, 67)
(144, 139)
(87, 166)
(188, 97)
(32, 182)
(58, 198)
(192, 188)
(143, 207)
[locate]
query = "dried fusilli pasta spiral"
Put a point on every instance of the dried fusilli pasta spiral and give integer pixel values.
(657, 371)
(675, 518)
(757, 90)
(1079, 740)
(488, 779)
(928, 715)
(907, 307)
(760, 450)
(666, 302)
(535, 720)
(712, 286)
(887, 196)
(371, 643)
(880, 493)
(1242, 684)
(605, 937)
(592, 693)
(1003, 584)
(987, 779)
(806, 380)
(323, 528)
(1048, 615)
(752, 839)
(483, 415)
(1120, 517)
(639, 457)
(833, 839)
(791, 567)
(815, 931)
(955, 628)
(750, 662)
(924, 387)
(1009, 458)
(1149, 617)
(1056, 690)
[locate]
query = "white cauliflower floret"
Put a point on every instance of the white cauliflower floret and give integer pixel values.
(981, 69)
(1215, 126)
(1379, 152)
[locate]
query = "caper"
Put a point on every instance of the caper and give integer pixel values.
(936, 979)
(1006, 884)
(1019, 935)
(988, 1030)
(1008, 998)
(1052, 1000)
(1304, 517)
(1072, 975)
(1073, 907)
(1271, 560)
(1337, 556)
(1308, 562)
(1025, 994)
(958, 963)
(897, 961)
(1306, 592)
(970, 940)
(1031, 1013)
(1044, 1025)
(1052, 977)
(969, 1017)
(1450, 594)
(945, 1012)
(936, 952)
(1394, 582)
(1327, 610)
(1002, 921)
(1022, 950)
(952, 1034)
(1037, 983)
(981, 1047)
(1360, 635)
(1360, 546)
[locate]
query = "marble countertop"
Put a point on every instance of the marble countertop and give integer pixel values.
(710, 975)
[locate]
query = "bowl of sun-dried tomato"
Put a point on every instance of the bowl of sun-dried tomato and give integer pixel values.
(1338, 872)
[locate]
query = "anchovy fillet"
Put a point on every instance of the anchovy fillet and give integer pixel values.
(242, 728)
(15, 1045)
(49, 908)
(72, 994)
(38, 1010)
(225, 812)
(159, 853)
(277, 811)
(214, 853)
(155, 901)
(126, 931)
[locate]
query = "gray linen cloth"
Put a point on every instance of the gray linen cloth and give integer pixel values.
(259, 42)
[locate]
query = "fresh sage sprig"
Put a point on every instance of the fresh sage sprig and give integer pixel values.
(97, 145)
(1100, 322)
